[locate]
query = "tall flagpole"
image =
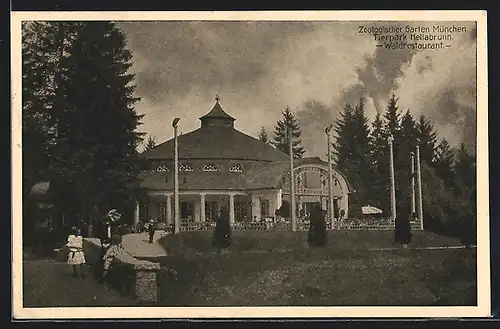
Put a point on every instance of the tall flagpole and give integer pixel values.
(292, 181)
(419, 187)
(393, 185)
(330, 192)
(176, 179)
(413, 201)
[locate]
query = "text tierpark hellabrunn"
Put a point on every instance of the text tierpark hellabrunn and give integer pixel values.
(413, 37)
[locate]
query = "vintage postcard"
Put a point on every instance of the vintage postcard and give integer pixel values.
(251, 164)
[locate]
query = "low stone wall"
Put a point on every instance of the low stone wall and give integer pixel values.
(137, 278)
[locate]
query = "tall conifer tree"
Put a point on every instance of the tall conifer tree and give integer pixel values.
(392, 118)
(427, 138)
(406, 144)
(281, 134)
(444, 162)
(96, 122)
(263, 137)
(380, 165)
(343, 127)
(392, 126)
(150, 143)
(352, 149)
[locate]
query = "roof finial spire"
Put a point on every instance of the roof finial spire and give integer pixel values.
(217, 98)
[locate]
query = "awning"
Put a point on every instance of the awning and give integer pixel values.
(370, 210)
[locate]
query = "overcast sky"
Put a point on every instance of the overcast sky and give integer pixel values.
(259, 68)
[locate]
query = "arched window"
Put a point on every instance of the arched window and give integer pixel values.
(162, 168)
(186, 167)
(236, 168)
(210, 167)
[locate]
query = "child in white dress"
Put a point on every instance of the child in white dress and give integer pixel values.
(76, 256)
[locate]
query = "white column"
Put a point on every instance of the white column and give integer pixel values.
(231, 209)
(169, 209)
(197, 210)
(136, 213)
(203, 217)
(279, 200)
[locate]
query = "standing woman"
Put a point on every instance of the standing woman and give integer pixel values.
(76, 256)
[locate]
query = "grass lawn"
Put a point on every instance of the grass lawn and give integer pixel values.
(277, 268)
(47, 283)
(323, 278)
(258, 241)
(262, 270)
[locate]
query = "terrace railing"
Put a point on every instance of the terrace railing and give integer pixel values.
(344, 224)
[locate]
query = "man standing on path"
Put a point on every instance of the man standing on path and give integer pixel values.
(151, 230)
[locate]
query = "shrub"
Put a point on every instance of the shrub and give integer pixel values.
(317, 235)
(402, 232)
(284, 210)
(222, 232)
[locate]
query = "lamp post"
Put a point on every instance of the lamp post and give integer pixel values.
(176, 178)
(393, 185)
(292, 182)
(419, 188)
(330, 193)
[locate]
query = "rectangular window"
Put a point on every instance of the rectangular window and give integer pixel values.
(241, 212)
(187, 211)
(211, 211)
(264, 208)
(162, 212)
(143, 212)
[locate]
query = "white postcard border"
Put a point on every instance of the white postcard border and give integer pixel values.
(483, 308)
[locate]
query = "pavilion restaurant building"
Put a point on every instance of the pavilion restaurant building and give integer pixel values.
(220, 165)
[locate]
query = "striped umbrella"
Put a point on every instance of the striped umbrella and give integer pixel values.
(370, 210)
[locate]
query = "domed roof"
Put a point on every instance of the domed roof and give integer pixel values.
(216, 139)
(215, 114)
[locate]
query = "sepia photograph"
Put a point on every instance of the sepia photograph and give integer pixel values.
(250, 164)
